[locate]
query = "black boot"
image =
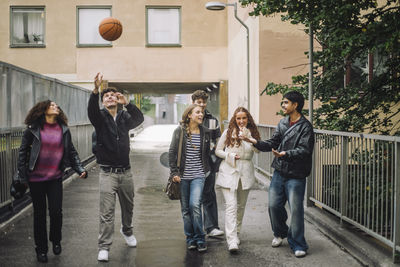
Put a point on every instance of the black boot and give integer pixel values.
(41, 256)
(56, 248)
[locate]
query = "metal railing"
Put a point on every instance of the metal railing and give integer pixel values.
(10, 140)
(20, 89)
(356, 177)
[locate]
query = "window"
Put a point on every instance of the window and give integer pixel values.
(365, 68)
(163, 26)
(27, 27)
(88, 22)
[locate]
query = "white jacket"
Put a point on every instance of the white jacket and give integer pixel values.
(231, 170)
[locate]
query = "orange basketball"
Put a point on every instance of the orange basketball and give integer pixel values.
(110, 29)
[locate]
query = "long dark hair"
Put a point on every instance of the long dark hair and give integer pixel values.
(37, 114)
(231, 141)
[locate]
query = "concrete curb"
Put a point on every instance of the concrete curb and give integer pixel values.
(365, 249)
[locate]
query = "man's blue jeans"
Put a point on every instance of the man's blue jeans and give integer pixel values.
(191, 195)
(284, 189)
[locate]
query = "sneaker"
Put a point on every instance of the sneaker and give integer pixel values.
(130, 240)
(56, 248)
(276, 242)
(300, 253)
(201, 247)
(103, 255)
(215, 232)
(238, 241)
(41, 257)
(233, 247)
(192, 245)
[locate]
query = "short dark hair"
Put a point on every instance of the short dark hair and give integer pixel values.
(199, 94)
(105, 91)
(295, 97)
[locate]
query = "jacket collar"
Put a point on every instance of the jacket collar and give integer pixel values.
(207, 114)
(107, 112)
(35, 129)
(301, 120)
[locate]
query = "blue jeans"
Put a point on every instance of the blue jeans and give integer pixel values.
(284, 189)
(191, 195)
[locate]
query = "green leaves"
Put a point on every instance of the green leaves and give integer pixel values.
(361, 42)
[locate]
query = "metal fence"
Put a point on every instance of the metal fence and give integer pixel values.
(10, 140)
(20, 89)
(356, 177)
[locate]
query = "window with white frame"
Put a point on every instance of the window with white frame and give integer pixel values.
(27, 26)
(163, 26)
(89, 19)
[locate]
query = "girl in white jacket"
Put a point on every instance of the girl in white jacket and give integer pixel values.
(236, 172)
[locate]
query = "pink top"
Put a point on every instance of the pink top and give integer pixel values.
(50, 155)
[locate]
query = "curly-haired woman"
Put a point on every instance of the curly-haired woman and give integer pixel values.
(194, 167)
(46, 150)
(236, 172)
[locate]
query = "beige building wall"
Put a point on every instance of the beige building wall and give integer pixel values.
(282, 47)
(237, 61)
(276, 54)
(202, 57)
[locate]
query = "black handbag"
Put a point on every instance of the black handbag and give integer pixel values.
(17, 188)
(173, 189)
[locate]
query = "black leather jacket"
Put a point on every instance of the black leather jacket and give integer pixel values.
(112, 137)
(205, 137)
(297, 142)
(30, 147)
(215, 134)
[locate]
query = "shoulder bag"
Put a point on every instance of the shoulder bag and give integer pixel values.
(173, 189)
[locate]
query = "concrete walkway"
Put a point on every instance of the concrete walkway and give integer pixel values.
(159, 230)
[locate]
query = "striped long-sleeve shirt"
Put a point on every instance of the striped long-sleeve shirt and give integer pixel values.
(193, 164)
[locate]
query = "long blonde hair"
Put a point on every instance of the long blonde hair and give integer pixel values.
(186, 120)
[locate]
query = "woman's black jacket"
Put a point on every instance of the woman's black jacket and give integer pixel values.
(205, 136)
(30, 147)
(298, 143)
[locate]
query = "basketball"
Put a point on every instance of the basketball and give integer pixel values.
(110, 29)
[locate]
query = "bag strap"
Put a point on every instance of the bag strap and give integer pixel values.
(180, 148)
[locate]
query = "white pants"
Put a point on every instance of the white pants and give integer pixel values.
(235, 202)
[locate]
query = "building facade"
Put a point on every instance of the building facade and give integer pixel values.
(166, 46)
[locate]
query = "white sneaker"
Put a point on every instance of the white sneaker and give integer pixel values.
(215, 232)
(233, 247)
(130, 240)
(300, 253)
(276, 242)
(103, 255)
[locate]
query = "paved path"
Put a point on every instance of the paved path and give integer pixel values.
(158, 228)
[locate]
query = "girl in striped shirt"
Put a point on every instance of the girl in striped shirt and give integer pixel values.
(194, 167)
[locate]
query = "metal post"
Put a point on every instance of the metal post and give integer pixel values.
(343, 177)
(248, 56)
(396, 215)
(310, 75)
(310, 183)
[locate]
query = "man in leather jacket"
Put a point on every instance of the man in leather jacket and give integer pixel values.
(209, 201)
(112, 153)
(292, 145)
